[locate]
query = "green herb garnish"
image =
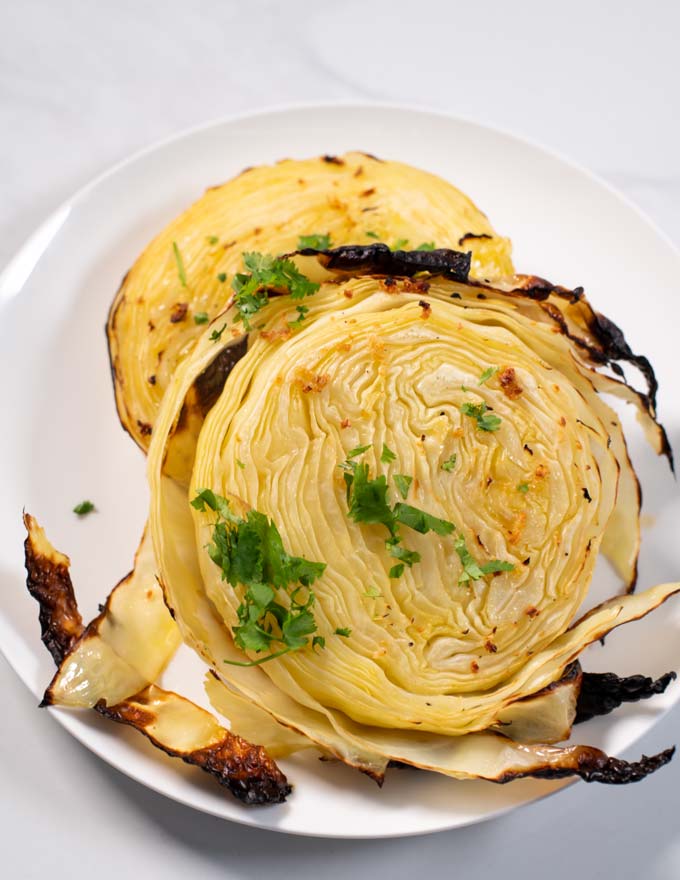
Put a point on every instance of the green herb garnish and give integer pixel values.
(396, 571)
(371, 234)
(276, 608)
(450, 463)
(212, 239)
(222, 277)
(486, 421)
(216, 335)
(180, 265)
(318, 242)
(399, 244)
(372, 592)
(84, 508)
(472, 570)
(487, 374)
(201, 318)
(344, 631)
(523, 488)
(267, 272)
(426, 246)
(403, 484)
(302, 314)
(386, 456)
(420, 521)
(240, 463)
(358, 450)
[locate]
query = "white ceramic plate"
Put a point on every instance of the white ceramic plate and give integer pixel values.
(61, 441)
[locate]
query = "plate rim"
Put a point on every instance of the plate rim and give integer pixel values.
(69, 721)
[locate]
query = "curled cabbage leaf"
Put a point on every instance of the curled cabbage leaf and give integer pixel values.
(109, 666)
(185, 273)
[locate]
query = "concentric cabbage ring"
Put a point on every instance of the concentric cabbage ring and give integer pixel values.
(404, 364)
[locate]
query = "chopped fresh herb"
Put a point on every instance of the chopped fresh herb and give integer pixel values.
(201, 318)
(344, 631)
(216, 335)
(368, 498)
(367, 503)
(372, 592)
(487, 374)
(267, 272)
(408, 557)
(371, 234)
(450, 463)
(180, 265)
(251, 554)
(318, 242)
(421, 521)
(358, 450)
(403, 484)
(396, 571)
(486, 421)
(302, 314)
(387, 455)
(222, 277)
(240, 463)
(83, 508)
(212, 239)
(496, 565)
(523, 488)
(472, 570)
(464, 389)
(399, 244)
(318, 642)
(426, 246)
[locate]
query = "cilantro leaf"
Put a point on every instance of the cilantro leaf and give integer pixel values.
(372, 592)
(318, 642)
(408, 557)
(84, 508)
(523, 488)
(211, 239)
(387, 455)
(201, 318)
(180, 265)
(486, 421)
(403, 484)
(426, 246)
(496, 565)
(344, 631)
(216, 335)
(358, 450)
(399, 244)
(421, 521)
(472, 570)
(222, 277)
(318, 242)
(371, 234)
(250, 554)
(450, 463)
(487, 374)
(302, 314)
(368, 502)
(396, 571)
(296, 629)
(265, 273)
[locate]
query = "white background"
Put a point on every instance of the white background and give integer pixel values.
(82, 84)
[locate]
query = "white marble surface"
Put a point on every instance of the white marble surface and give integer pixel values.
(82, 85)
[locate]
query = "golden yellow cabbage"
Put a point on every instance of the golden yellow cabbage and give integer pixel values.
(186, 271)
